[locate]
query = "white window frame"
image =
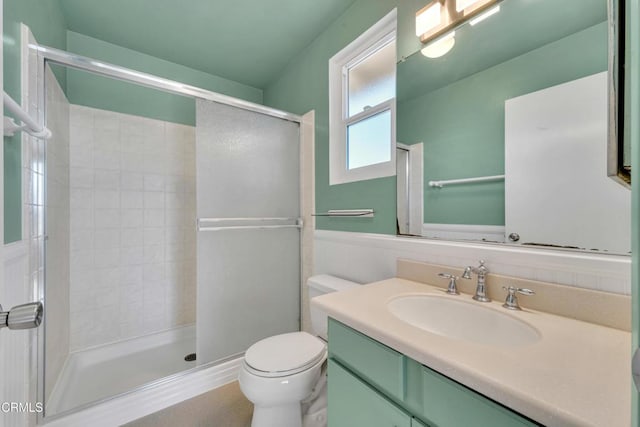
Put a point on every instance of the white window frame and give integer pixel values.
(379, 35)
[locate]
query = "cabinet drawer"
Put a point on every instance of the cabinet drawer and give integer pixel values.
(352, 403)
(373, 361)
(447, 403)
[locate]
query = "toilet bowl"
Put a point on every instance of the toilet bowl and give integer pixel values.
(282, 371)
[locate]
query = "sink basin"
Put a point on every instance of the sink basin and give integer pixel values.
(462, 320)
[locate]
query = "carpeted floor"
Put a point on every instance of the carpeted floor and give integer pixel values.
(223, 407)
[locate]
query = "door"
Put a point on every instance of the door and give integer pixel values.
(248, 243)
(562, 120)
(402, 189)
(409, 189)
(353, 403)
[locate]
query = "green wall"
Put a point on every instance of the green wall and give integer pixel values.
(100, 92)
(49, 27)
(47, 23)
(462, 124)
(304, 86)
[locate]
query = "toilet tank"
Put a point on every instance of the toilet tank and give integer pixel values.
(320, 285)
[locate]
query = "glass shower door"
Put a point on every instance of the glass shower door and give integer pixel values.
(248, 205)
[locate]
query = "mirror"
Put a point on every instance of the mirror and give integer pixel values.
(504, 137)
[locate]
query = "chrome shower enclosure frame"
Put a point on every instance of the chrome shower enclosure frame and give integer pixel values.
(47, 55)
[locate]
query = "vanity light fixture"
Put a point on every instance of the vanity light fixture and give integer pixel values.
(465, 4)
(437, 20)
(428, 18)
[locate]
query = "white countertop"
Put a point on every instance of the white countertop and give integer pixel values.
(577, 374)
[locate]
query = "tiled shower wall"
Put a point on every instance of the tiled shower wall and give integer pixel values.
(132, 226)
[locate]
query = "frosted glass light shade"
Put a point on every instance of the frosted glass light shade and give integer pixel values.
(440, 47)
(428, 18)
(454, 13)
(463, 4)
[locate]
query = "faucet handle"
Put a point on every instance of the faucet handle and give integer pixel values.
(452, 289)
(480, 270)
(511, 302)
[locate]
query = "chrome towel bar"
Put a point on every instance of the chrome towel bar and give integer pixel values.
(440, 184)
(362, 213)
(219, 224)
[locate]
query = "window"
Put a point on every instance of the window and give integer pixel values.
(362, 90)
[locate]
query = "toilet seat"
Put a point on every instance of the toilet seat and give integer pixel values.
(285, 354)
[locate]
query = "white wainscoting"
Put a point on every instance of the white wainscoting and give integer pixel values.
(371, 257)
(14, 345)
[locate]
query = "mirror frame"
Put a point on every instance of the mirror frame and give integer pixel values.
(615, 143)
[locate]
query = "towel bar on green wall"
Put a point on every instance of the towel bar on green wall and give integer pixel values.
(361, 213)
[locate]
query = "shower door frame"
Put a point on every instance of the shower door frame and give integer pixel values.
(47, 55)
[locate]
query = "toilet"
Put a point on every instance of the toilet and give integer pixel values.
(283, 375)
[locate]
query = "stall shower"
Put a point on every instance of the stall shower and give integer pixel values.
(166, 243)
(131, 253)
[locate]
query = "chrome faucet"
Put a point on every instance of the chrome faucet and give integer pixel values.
(481, 290)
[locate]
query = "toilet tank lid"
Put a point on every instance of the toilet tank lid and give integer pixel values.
(328, 283)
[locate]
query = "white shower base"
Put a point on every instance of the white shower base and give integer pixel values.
(145, 400)
(101, 372)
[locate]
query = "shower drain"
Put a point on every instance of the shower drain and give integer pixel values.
(190, 357)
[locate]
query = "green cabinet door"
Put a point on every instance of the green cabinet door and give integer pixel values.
(372, 361)
(372, 385)
(449, 404)
(352, 403)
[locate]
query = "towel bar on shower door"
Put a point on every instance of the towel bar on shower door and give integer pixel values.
(247, 223)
